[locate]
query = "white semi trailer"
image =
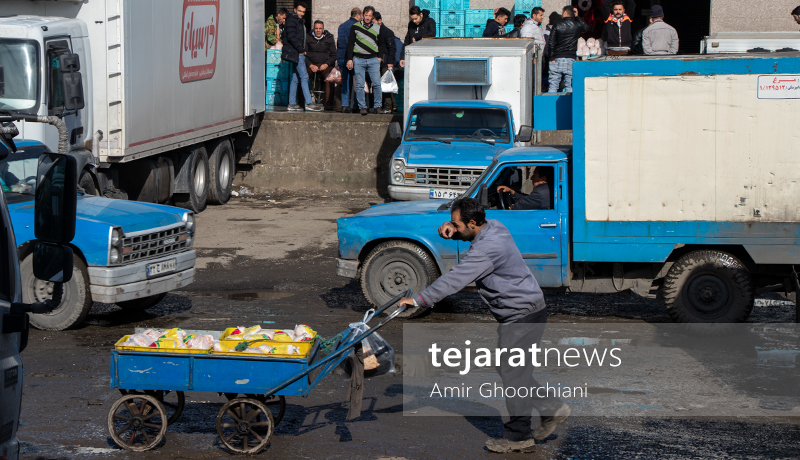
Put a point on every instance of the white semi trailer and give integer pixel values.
(174, 90)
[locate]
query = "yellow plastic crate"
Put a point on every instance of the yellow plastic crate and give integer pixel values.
(305, 347)
(124, 339)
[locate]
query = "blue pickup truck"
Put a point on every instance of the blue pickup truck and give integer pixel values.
(127, 253)
(680, 184)
(447, 145)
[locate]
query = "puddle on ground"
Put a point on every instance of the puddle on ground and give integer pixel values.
(246, 295)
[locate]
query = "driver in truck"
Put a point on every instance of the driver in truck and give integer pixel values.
(514, 297)
(539, 198)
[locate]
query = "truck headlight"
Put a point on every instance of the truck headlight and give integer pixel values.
(115, 245)
(115, 235)
(397, 178)
(188, 219)
(398, 165)
(113, 256)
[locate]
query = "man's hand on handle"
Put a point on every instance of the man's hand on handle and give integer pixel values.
(406, 301)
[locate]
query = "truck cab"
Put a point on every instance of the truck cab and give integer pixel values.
(31, 81)
(447, 145)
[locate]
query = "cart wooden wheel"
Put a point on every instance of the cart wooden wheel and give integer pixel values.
(277, 404)
(245, 425)
(173, 401)
(137, 422)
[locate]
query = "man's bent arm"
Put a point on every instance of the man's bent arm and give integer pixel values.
(475, 266)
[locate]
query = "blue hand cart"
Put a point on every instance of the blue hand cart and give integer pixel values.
(153, 385)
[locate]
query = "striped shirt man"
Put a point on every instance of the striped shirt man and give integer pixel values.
(366, 41)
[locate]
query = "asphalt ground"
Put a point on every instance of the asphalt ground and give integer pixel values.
(269, 259)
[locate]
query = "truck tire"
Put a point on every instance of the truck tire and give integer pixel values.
(141, 304)
(74, 306)
(394, 266)
(86, 182)
(222, 169)
(708, 287)
(197, 197)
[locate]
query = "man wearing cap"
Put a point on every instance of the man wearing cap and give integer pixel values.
(660, 37)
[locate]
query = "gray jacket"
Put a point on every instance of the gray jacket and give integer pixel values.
(660, 38)
(495, 264)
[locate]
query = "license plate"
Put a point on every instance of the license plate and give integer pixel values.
(160, 268)
(444, 193)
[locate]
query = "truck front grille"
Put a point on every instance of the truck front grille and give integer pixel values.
(448, 177)
(153, 245)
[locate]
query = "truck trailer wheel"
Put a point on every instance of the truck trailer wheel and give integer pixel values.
(708, 287)
(222, 170)
(197, 197)
(74, 306)
(394, 266)
(86, 182)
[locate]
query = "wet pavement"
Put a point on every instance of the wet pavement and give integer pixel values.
(269, 260)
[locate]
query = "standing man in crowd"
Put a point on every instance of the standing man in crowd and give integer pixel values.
(516, 32)
(387, 65)
(273, 28)
(494, 263)
(367, 42)
(496, 28)
(536, 33)
(562, 47)
(321, 59)
(420, 26)
(617, 30)
(660, 37)
(294, 51)
(347, 74)
(796, 14)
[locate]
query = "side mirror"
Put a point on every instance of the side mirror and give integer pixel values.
(56, 198)
(72, 81)
(525, 134)
(483, 196)
(394, 130)
(52, 262)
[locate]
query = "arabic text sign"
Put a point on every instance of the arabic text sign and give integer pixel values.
(779, 86)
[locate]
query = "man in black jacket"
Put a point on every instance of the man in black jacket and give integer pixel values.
(387, 64)
(516, 32)
(563, 47)
(420, 26)
(321, 59)
(539, 197)
(294, 51)
(496, 28)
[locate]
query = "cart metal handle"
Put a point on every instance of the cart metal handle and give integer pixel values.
(349, 345)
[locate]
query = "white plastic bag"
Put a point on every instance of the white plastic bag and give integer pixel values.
(200, 342)
(388, 83)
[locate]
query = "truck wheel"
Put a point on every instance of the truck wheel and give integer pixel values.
(708, 287)
(222, 170)
(394, 266)
(74, 306)
(86, 182)
(141, 304)
(198, 182)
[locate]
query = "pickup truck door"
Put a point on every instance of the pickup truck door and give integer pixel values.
(537, 234)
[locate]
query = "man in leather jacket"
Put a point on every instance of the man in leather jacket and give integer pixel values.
(563, 47)
(516, 32)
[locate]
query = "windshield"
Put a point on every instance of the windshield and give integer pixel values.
(458, 124)
(19, 75)
(18, 173)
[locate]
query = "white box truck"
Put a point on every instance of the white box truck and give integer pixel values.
(174, 89)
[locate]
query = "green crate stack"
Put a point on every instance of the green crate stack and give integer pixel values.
(279, 73)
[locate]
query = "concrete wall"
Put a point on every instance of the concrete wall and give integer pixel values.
(322, 151)
(753, 16)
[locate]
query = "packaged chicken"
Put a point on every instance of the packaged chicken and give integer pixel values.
(200, 342)
(138, 340)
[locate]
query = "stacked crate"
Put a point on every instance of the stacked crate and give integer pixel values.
(476, 21)
(279, 74)
(524, 7)
(452, 19)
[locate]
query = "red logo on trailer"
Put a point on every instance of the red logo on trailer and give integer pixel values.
(199, 34)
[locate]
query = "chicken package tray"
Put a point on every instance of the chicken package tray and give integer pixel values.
(171, 341)
(284, 343)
